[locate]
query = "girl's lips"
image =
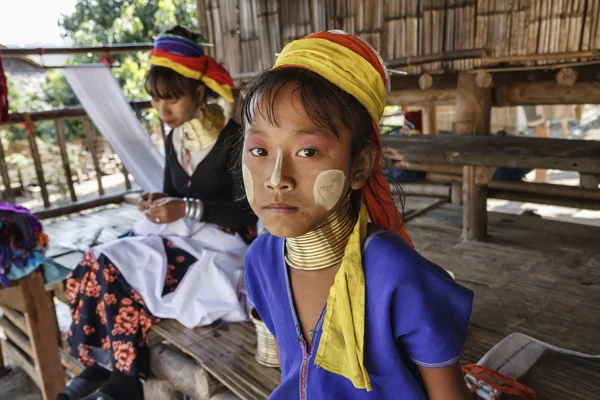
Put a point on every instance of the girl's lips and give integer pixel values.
(281, 208)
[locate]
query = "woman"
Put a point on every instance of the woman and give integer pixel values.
(184, 260)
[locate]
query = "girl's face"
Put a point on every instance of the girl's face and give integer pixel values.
(177, 111)
(295, 173)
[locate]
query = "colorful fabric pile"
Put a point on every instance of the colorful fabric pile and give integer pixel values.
(22, 246)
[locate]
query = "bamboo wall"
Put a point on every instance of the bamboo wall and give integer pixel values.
(248, 33)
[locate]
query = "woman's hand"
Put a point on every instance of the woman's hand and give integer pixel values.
(146, 200)
(165, 210)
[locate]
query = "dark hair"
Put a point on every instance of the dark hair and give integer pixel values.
(325, 104)
(164, 83)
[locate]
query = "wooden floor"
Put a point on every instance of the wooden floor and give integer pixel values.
(534, 276)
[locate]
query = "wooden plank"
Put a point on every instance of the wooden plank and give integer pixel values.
(475, 206)
(35, 154)
(41, 321)
(495, 151)
(18, 337)
(62, 144)
(12, 297)
(80, 206)
(17, 318)
(70, 112)
(227, 352)
(22, 361)
(87, 127)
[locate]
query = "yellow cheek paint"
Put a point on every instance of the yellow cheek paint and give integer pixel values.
(276, 175)
(328, 188)
(248, 183)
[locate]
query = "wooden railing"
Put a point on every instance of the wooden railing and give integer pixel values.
(58, 116)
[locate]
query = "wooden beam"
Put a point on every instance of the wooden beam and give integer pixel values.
(18, 337)
(41, 321)
(70, 112)
(413, 166)
(183, 372)
(419, 97)
(92, 148)
(544, 199)
(525, 152)
(80, 206)
(425, 189)
(37, 162)
(429, 119)
(62, 144)
(547, 93)
(473, 115)
(22, 360)
(107, 49)
(541, 131)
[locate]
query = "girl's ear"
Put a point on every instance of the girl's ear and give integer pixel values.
(200, 93)
(361, 170)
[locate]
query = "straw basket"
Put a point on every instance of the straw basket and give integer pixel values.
(266, 347)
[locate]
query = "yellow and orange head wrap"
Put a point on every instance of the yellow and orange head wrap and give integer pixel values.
(353, 66)
(186, 57)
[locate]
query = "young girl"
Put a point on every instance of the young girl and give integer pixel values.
(356, 311)
(185, 258)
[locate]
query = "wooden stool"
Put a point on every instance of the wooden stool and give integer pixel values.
(35, 332)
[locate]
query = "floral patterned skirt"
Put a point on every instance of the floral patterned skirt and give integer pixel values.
(110, 319)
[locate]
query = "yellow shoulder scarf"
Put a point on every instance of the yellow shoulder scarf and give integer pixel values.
(341, 349)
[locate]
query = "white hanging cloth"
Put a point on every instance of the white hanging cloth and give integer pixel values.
(100, 95)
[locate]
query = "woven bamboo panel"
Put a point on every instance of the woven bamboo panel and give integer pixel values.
(248, 34)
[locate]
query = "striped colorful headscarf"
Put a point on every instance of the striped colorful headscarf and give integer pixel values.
(352, 65)
(187, 58)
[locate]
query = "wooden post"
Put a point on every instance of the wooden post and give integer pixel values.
(42, 333)
(541, 130)
(564, 128)
(62, 144)
(473, 113)
(92, 147)
(9, 195)
(31, 136)
(429, 120)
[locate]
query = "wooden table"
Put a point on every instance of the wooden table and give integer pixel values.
(479, 155)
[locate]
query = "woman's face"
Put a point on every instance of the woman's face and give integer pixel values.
(295, 173)
(176, 111)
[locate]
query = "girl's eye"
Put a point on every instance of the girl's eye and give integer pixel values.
(259, 152)
(306, 153)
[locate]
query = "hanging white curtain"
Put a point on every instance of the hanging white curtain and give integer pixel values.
(100, 95)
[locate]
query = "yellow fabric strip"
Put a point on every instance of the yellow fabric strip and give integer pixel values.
(355, 75)
(221, 90)
(341, 349)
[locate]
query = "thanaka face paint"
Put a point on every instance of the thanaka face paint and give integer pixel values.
(276, 175)
(248, 183)
(328, 188)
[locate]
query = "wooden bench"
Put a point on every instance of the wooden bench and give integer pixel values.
(226, 352)
(29, 322)
(478, 156)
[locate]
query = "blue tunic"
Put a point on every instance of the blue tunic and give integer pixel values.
(415, 315)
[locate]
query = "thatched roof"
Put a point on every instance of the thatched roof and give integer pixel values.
(506, 30)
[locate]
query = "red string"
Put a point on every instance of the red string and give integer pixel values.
(496, 380)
